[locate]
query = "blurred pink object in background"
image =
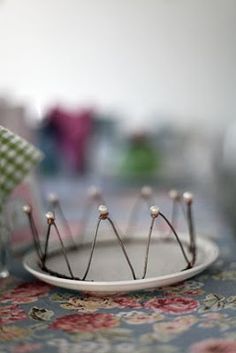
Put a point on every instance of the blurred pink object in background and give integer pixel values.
(72, 130)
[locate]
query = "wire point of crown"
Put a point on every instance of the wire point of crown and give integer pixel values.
(175, 195)
(103, 210)
(146, 192)
(53, 198)
(27, 209)
(50, 217)
(188, 197)
(94, 192)
(154, 211)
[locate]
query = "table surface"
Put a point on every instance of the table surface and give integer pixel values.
(196, 316)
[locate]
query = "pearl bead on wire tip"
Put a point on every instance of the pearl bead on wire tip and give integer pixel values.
(188, 197)
(50, 216)
(146, 191)
(52, 197)
(154, 211)
(174, 195)
(94, 191)
(103, 210)
(27, 209)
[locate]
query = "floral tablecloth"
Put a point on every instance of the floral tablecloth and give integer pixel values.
(196, 316)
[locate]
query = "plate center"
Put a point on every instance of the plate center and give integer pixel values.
(109, 263)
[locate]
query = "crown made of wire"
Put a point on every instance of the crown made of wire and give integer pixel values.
(180, 201)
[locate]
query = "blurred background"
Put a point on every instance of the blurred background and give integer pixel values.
(124, 93)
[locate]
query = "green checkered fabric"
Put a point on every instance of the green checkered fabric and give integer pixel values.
(17, 157)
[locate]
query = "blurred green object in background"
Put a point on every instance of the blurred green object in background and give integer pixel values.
(140, 158)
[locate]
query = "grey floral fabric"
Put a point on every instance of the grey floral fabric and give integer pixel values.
(195, 316)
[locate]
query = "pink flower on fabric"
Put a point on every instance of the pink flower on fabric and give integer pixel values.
(127, 302)
(26, 293)
(214, 346)
(26, 348)
(193, 292)
(11, 313)
(173, 305)
(85, 322)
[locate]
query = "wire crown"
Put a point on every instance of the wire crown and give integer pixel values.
(179, 201)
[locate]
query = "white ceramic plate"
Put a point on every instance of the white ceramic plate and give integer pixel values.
(109, 272)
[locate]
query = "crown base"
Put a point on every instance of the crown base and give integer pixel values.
(108, 273)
